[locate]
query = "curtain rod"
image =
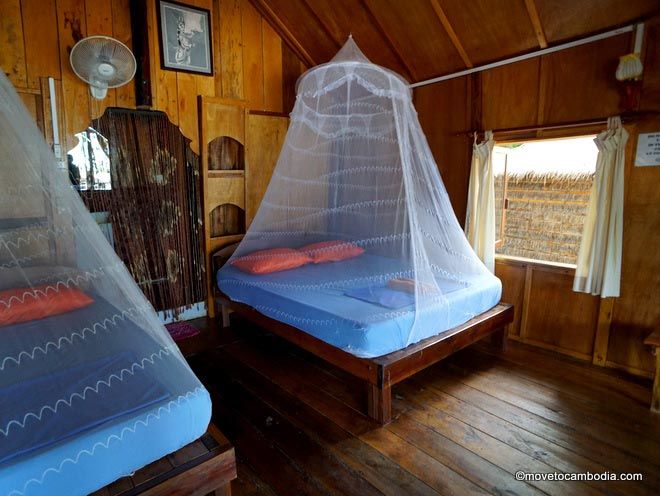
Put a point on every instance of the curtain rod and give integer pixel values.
(545, 51)
(525, 129)
(629, 117)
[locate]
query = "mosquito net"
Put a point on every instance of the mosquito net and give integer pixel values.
(91, 385)
(355, 240)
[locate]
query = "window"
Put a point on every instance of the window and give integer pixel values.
(89, 163)
(541, 195)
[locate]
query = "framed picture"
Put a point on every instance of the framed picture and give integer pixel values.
(185, 38)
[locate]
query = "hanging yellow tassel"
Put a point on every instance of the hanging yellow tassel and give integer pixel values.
(630, 67)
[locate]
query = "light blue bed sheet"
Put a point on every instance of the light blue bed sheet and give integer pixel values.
(81, 462)
(94, 459)
(311, 298)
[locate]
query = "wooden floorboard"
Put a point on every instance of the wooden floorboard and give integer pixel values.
(580, 443)
(249, 483)
(547, 387)
(379, 470)
(463, 426)
(440, 412)
(562, 412)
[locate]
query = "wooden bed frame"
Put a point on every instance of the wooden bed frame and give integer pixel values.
(381, 373)
(204, 467)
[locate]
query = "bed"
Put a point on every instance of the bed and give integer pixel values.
(309, 307)
(312, 299)
(92, 387)
(54, 442)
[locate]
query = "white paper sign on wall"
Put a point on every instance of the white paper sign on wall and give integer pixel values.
(648, 150)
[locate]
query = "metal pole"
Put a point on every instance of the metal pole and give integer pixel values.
(545, 51)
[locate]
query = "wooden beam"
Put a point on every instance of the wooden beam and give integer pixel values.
(602, 338)
(379, 403)
(271, 17)
(653, 340)
(655, 396)
(324, 26)
(379, 27)
(533, 13)
(529, 271)
(452, 34)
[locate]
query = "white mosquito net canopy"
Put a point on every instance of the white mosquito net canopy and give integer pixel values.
(91, 385)
(357, 214)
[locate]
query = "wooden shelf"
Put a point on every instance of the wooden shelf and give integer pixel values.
(218, 242)
(226, 220)
(219, 174)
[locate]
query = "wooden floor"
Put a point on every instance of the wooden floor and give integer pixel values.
(464, 426)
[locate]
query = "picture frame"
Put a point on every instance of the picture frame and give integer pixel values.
(185, 37)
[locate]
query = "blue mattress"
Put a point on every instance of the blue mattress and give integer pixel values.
(145, 418)
(311, 298)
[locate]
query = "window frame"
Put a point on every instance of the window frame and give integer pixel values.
(499, 238)
(586, 133)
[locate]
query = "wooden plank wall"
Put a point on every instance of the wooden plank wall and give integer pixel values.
(270, 132)
(572, 85)
(251, 61)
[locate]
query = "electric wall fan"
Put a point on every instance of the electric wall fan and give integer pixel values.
(102, 62)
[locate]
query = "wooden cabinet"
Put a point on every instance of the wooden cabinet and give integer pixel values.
(239, 150)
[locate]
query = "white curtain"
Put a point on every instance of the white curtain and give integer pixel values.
(599, 261)
(480, 219)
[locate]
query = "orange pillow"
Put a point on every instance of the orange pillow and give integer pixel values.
(267, 261)
(25, 304)
(331, 251)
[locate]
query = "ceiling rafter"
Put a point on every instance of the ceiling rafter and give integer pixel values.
(533, 13)
(323, 25)
(267, 13)
(379, 27)
(451, 33)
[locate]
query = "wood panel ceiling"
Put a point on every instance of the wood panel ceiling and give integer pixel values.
(425, 38)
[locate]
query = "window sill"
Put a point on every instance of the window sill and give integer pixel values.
(536, 264)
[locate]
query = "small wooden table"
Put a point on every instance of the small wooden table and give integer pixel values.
(202, 468)
(654, 341)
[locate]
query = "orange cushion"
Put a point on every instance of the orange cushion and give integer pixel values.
(24, 304)
(267, 261)
(331, 251)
